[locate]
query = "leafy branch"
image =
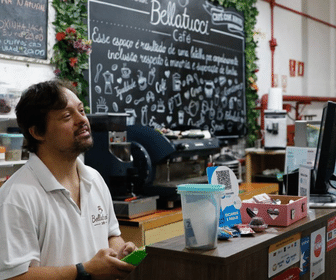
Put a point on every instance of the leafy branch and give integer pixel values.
(72, 48)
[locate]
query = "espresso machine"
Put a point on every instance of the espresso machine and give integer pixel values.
(111, 156)
(164, 161)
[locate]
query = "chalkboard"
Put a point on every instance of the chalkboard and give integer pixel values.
(171, 64)
(23, 28)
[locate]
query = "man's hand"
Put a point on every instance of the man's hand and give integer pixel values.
(126, 249)
(106, 264)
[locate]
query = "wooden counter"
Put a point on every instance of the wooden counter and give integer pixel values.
(166, 224)
(238, 258)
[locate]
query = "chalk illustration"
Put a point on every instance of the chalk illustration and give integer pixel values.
(144, 115)
(169, 119)
(209, 88)
(178, 99)
(171, 105)
(153, 107)
(125, 72)
(115, 107)
(212, 111)
(192, 108)
(151, 76)
(99, 68)
(176, 82)
(180, 117)
(128, 99)
(183, 3)
(161, 108)
(196, 78)
(150, 97)
(98, 89)
(222, 80)
(142, 81)
(137, 101)
(108, 76)
(161, 87)
(189, 79)
(220, 114)
(130, 120)
(101, 105)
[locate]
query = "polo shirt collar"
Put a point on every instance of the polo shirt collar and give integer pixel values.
(47, 179)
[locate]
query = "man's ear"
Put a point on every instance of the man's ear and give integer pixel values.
(33, 132)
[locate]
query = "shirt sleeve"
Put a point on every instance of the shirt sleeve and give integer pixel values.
(18, 241)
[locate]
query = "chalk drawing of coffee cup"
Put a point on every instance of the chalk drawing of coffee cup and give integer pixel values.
(125, 72)
(180, 117)
(142, 81)
(209, 88)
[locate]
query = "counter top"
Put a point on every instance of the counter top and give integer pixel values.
(237, 258)
(229, 250)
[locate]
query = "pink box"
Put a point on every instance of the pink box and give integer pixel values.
(277, 215)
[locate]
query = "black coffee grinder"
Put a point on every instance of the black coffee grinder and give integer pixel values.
(111, 154)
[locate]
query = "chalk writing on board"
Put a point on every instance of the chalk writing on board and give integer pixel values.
(23, 28)
(169, 63)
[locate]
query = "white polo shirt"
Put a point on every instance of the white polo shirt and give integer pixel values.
(41, 225)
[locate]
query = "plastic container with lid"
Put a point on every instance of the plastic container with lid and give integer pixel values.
(9, 97)
(201, 210)
(13, 144)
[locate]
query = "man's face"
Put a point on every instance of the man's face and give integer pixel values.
(68, 130)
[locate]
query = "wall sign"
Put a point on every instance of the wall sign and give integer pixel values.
(169, 63)
(23, 28)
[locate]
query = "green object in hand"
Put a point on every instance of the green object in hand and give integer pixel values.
(136, 256)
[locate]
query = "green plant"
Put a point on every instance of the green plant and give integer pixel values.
(72, 48)
(247, 7)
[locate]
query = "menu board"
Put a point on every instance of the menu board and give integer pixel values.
(23, 28)
(171, 64)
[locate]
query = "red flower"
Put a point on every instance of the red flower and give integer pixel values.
(75, 84)
(70, 30)
(57, 72)
(73, 61)
(60, 36)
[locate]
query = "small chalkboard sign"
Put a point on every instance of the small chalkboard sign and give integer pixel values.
(169, 63)
(23, 28)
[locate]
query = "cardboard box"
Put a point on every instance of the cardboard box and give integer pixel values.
(277, 215)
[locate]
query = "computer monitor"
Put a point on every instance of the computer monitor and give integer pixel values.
(324, 181)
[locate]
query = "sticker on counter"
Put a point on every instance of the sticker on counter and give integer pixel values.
(331, 234)
(305, 255)
(283, 254)
(292, 274)
(317, 253)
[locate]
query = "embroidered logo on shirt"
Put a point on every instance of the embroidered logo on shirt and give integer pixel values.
(100, 218)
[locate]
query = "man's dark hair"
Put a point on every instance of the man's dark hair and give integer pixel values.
(35, 104)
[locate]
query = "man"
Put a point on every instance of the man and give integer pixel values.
(56, 214)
